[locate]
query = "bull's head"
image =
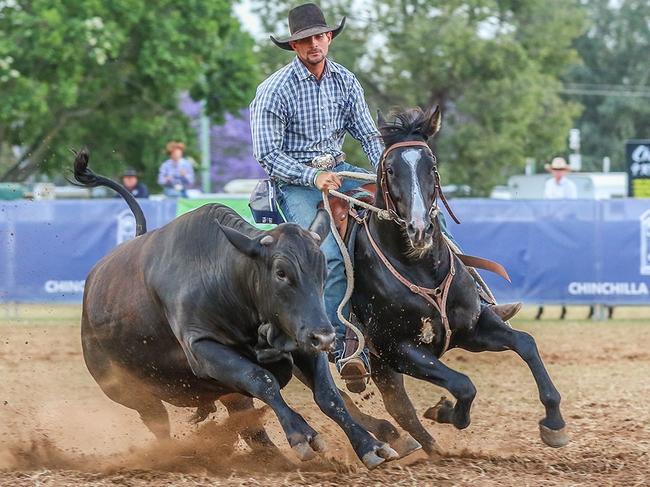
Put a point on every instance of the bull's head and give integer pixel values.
(291, 282)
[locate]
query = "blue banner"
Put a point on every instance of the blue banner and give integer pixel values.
(562, 252)
(48, 247)
(571, 252)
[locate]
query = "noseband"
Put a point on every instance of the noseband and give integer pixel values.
(385, 191)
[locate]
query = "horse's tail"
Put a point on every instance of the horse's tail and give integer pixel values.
(85, 177)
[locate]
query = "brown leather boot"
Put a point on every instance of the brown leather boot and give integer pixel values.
(506, 311)
(355, 372)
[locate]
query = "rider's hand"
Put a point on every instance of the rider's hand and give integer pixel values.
(328, 180)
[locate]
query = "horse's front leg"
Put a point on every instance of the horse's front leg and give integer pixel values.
(493, 335)
(419, 362)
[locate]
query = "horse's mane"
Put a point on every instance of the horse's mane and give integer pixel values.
(406, 125)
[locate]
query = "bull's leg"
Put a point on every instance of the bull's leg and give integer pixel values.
(233, 371)
(123, 388)
(492, 334)
(420, 362)
(316, 373)
(202, 412)
(254, 435)
(154, 415)
(399, 405)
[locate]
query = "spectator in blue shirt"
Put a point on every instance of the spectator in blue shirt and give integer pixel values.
(176, 174)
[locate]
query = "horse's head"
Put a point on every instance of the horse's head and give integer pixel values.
(408, 172)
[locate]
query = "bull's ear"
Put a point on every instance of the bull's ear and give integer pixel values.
(246, 245)
(432, 123)
(321, 225)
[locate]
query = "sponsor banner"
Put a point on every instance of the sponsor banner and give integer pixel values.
(637, 155)
(579, 251)
(47, 248)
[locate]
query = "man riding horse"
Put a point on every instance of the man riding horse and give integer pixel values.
(299, 118)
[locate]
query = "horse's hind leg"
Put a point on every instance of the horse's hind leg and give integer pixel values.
(493, 335)
(253, 434)
(399, 405)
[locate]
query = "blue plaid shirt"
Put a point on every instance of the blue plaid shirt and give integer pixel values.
(294, 118)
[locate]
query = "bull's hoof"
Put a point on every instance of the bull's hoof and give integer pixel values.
(379, 455)
(303, 451)
(554, 438)
(441, 412)
(318, 444)
(405, 445)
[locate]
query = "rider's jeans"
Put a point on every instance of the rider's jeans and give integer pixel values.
(299, 205)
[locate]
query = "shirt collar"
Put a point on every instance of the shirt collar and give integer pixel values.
(303, 73)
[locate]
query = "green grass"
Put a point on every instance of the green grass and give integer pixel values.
(70, 314)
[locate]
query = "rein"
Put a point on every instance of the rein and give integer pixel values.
(436, 297)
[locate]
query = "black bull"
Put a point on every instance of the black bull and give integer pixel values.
(208, 307)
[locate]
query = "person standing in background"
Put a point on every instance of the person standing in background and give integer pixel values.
(176, 174)
(135, 187)
(559, 187)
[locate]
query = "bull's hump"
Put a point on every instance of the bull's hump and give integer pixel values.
(226, 216)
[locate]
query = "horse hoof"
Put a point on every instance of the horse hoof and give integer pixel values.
(303, 451)
(318, 444)
(554, 438)
(372, 460)
(387, 453)
(405, 445)
(433, 413)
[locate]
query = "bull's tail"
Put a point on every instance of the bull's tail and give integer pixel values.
(85, 177)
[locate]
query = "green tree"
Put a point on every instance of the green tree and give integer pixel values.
(108, 74)
(613, 80)
(492, 65)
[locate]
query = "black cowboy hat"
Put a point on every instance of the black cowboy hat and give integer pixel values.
(129, 171)
(305, 21)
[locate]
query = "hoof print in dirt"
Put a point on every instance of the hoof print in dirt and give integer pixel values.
(554, 438)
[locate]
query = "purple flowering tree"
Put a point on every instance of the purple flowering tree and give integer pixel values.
(231, 146)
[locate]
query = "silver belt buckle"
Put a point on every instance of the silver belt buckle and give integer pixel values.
(323, 161)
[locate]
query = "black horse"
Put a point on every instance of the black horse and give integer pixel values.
(416, 299)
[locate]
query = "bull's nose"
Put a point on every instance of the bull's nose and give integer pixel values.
(322, 341)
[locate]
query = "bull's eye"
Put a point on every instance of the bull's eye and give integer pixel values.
(281, 274)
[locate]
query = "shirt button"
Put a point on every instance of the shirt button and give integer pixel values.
(323, 126)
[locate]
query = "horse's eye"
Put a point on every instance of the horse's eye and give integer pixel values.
(281, 274)
(389, 170)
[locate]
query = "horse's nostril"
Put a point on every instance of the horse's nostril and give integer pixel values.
(410, 227)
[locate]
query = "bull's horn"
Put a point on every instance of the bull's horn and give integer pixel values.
(267, 240)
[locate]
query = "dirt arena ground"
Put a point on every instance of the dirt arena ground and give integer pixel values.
(57, 427)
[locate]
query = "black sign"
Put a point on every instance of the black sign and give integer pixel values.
(637, 155)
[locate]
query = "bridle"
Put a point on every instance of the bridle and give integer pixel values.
(385, 190)
(437, 297)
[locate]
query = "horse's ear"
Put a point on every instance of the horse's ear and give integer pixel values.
(432, 123)
(381, 121)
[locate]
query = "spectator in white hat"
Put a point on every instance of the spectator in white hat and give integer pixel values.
(559, 187)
